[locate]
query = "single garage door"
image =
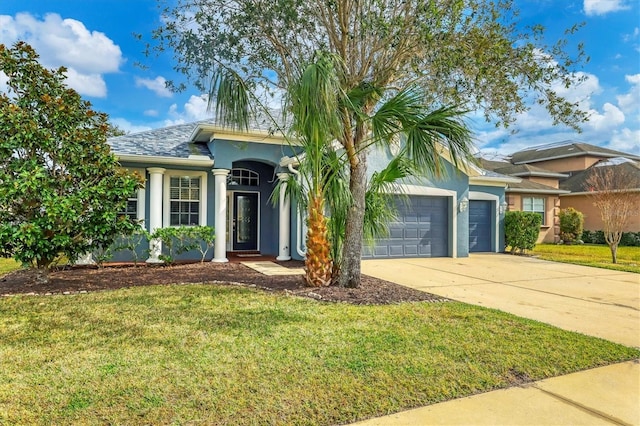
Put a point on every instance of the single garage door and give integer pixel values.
(422, 230)
(479, 226)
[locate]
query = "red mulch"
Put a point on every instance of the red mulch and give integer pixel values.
(372, 291)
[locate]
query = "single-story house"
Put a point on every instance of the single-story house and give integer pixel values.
(203, 174)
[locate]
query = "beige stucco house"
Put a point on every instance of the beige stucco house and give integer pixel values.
(553, 178)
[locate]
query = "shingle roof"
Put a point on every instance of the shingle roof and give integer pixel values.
(530, 186)
(565, 149)
(170, 141)
(576, 183)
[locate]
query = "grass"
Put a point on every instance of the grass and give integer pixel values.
(590, 255)
(8, 265)
(228, 355)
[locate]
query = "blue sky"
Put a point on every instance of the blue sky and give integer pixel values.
(94, 40)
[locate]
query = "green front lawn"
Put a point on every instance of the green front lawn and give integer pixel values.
(590, 255)
(205, 354)
(8, 265)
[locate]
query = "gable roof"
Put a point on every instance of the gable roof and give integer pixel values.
(576, 183)
(565, 149)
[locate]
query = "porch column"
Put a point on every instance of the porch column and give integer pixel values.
(220, 243)
(284, 239)
(155, 211)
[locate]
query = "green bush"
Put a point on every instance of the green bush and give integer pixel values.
(571, 225)
(521, 230)
(629, 239)
(178, 240)
(131, 242)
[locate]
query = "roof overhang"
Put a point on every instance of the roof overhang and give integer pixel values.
(578, 154)
(501, 181)
(192, 160)
(571, 194)
(538, 191)
(541, 174)
(208, 132)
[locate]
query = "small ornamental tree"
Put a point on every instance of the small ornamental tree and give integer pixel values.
(614, 190)
(60, 186)
(521, 230)
(571, 225)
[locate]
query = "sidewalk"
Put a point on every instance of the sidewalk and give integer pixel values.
(602, 396)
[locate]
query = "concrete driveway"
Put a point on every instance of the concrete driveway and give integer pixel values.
(593, 301)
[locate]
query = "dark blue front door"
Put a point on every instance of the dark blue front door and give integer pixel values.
(245, 221)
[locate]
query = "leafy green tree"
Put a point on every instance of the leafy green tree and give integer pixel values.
(468, 53)
(60, 187)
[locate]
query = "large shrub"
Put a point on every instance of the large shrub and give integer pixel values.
(61, 188)
(629, 239)
(521, 230)
(571, 225)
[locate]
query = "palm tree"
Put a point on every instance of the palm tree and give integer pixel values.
(323, 113)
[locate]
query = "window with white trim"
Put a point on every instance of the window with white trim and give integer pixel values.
(184, 200)
(535, 205)
(131, 208)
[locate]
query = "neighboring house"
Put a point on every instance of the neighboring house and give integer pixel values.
(538, 192)
(579, 196)
(553, 178)
(203, 174)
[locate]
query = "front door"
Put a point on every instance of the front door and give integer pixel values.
(245, 221)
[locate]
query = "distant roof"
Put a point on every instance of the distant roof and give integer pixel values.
(534, 187)
(565, 149)
(576, 183)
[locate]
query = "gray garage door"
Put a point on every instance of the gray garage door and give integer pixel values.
(479, 226)
(422, 230)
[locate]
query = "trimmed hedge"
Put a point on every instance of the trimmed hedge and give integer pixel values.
(571, 225)
(521, 230)
(629, 239)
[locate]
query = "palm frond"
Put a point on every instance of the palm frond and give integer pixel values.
(232, 99)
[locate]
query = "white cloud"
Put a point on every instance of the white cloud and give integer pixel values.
(158, 85)
(195, 109)
(151, 113)
(602, 7)
(630, 102)
(609, 119)
(88, 55)
(87, 84)
(626, 140)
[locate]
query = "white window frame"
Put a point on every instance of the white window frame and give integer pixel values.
(544, 206)
(166, 208)
(140, 195)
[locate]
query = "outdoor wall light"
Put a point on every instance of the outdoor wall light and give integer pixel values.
(463, 205)
(503, 207)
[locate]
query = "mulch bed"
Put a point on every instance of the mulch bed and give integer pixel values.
(70, 280)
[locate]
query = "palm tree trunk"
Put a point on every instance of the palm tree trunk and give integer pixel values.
(352, 248)
(317, 262)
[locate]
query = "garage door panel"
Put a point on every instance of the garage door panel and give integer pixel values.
(422, 229)
(480, 220)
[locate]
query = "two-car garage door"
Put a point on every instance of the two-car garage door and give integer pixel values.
(421, 230)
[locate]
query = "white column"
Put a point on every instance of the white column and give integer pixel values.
(284, 233)
(220, 244)
(155, 211)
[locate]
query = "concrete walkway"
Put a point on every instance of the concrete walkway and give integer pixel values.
(592, 301)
